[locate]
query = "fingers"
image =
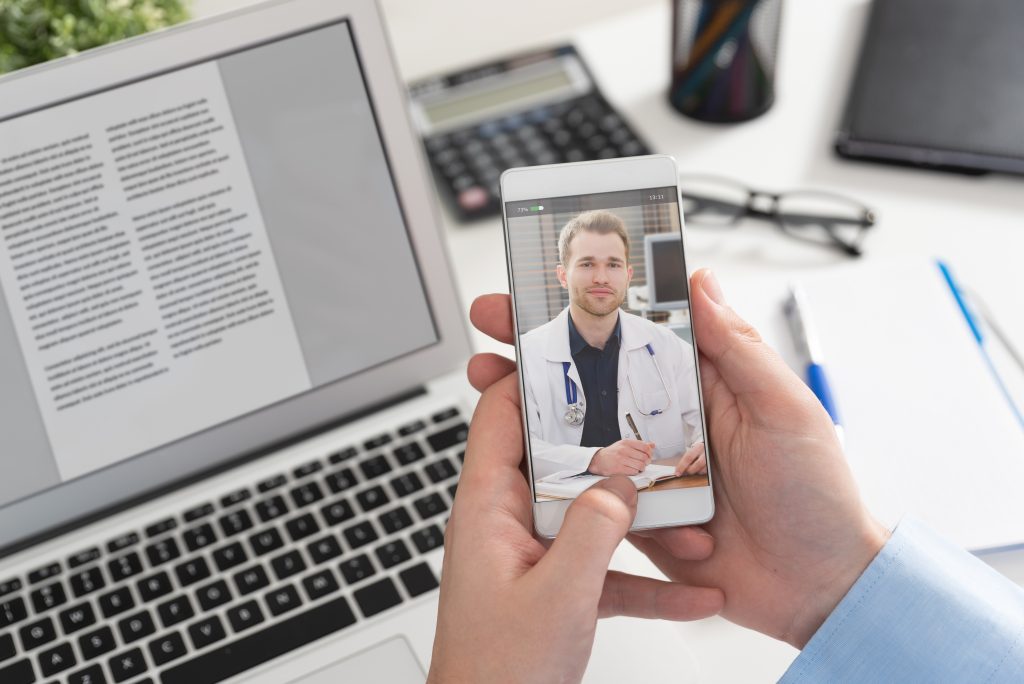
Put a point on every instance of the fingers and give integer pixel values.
(491, 314)
(691, 458)
(486, 369)
(591, 530)
(495, 447)
(644, 597)
(682, 543)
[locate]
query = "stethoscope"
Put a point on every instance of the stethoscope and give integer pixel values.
(575, 411)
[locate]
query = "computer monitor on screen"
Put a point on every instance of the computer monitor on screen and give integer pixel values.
(666, 272)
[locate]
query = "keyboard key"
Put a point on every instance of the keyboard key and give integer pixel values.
(77, 617)
(244, 616)
(154, 586)
(428, 538)
(271, 483)
(192, 571)
(356, 569)
(430, 506)
(235, 497)
(377, 597)
(447, 414)
(122, 542)
(174, 611)
(451, 491)
(340, 480)
(440, 470)
(198, 537)
(407, 484)
(116, 602)
(124, 566)
(90, 675)
(235, 522)
(206, 632)
(412, 427)
(395, 520)
(251, 579)
(56, 659)
(271, 508)
(159, 528)
(162, 551)
(282, 600)
(233, 658)
(319, 585)
(374, 467)
(136, 626)
(229, 556)
(96, 643)
(266, 541)
(342, 455)
(324, 549)
(376, 442)
(288, 564)
(305, 494)
(418, 579)
(83, 557)
(167, 648)
(44, 573)
(43, 598)
(212, 595)
(445, 439)
(200, 511)
(409, 453)
(393, 553)
(87, 581)
(307, 469)
(372, 498)
(360, 534)
(337, 512)
(9, 650)
(127, 665)
(13, 610)
(20, 672)
(32, 635)
(302, 527)
(10, 586)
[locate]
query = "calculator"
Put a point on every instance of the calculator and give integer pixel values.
(538, 108)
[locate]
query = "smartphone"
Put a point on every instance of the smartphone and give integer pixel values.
(607, 360)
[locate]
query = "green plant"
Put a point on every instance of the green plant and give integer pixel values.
(33, 31)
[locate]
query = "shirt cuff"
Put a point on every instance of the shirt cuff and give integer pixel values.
(923, 610)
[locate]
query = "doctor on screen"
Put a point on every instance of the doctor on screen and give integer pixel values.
(593, 364)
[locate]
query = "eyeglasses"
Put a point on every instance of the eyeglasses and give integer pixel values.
(813, 216)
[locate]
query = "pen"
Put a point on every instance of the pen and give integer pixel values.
(632, 426)
(807, 342)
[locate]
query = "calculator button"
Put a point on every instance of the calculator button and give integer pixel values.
(547, 158)
(608, 153)
(489, 129)
(539, 115)
(574, 155)
(631, 148)
(561, 137)
(464, 181)
(473, 198)
(454, 169)
(586, 129)
(436, 143)
(446, 156)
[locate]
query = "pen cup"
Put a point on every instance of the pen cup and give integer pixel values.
(724, 57)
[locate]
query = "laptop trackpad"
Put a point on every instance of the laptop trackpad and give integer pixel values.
(389, 661)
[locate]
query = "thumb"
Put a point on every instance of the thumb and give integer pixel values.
(591, 531)
(743, 361)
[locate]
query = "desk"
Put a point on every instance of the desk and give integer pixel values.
(976, 221)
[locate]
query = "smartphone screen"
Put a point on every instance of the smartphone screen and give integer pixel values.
(610, 381)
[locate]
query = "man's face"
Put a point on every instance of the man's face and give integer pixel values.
(597, 274)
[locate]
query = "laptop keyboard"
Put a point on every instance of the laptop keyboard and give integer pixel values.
(237, 581)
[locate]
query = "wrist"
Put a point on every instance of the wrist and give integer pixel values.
(817, 603)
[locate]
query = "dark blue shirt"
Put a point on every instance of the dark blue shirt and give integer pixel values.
(599, 374)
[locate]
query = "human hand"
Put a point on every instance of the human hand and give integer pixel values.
(512, 609)
(625, 457)
(693, 461)
(791, 533)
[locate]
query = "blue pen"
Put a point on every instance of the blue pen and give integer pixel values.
(807, 342)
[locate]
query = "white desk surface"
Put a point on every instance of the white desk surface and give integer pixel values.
(976, 222)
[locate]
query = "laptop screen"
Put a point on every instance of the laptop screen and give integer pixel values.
(183, 250)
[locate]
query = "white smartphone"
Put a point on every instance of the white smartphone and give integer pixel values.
(607, 360)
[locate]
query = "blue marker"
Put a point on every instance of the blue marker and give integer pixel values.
(807, 342)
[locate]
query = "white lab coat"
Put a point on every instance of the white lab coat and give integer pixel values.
(555, 444)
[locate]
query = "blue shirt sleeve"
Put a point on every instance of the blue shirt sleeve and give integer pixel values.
(924, 610)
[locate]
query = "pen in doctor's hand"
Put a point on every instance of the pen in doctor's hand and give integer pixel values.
(807, 342)
(632, 426)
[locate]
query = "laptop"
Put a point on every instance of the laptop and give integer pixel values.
(232, 404)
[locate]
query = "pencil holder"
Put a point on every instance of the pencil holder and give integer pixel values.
(723, 58)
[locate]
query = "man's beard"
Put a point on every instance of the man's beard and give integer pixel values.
(597, 307)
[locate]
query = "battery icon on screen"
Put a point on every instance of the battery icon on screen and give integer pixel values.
(537, 207)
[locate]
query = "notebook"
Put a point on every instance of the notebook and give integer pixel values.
(568, 484)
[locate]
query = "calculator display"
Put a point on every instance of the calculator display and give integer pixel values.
(481, 100)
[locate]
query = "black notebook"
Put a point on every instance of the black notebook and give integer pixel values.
(939, 83)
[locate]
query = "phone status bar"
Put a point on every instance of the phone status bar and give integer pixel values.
(603, 200)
